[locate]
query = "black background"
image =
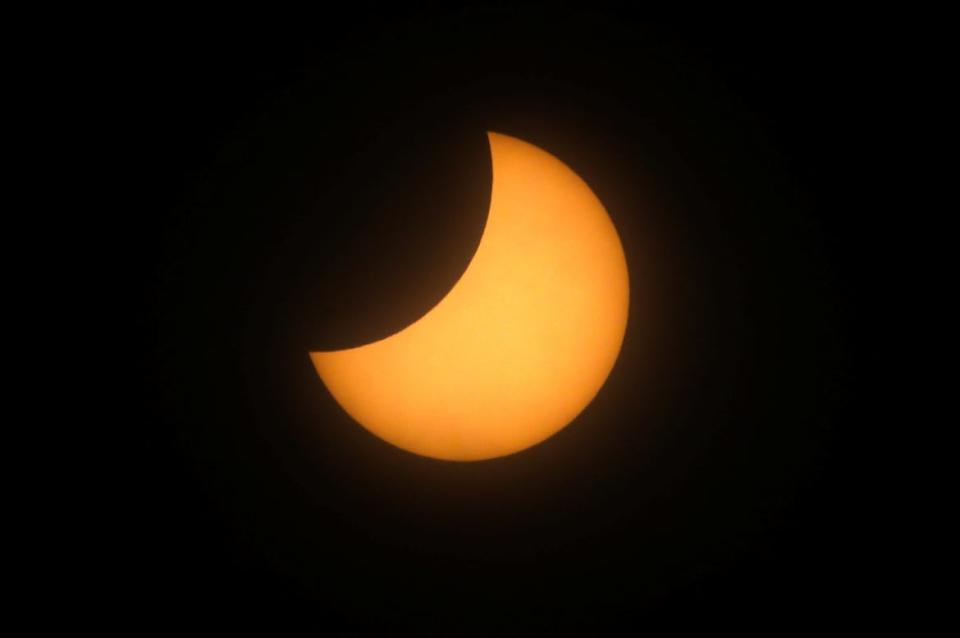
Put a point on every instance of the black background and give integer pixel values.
(320, 182)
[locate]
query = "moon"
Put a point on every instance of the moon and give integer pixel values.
(523, 341)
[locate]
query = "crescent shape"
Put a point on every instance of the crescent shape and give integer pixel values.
(523, 341)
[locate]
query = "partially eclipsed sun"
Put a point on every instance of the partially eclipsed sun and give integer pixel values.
(522, 342)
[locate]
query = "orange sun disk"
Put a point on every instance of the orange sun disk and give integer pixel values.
(523, 341)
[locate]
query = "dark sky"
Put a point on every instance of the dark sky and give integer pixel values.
(320, 182)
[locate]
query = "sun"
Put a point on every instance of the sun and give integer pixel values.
(523, 341)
